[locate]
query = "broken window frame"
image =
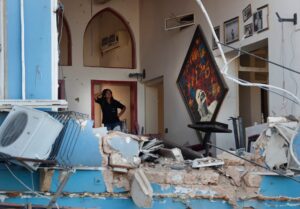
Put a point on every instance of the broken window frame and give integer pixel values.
(2, 50)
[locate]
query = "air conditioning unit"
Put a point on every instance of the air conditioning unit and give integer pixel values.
(101, 1)
(28, 133)
(180, 21)
(115, 40)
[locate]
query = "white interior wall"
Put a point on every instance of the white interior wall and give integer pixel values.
(63, 47)
(151, 110)
(77, 77)
(286, 53)
(118, 57)
(163, 54)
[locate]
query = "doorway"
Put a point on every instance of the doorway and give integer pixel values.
(154, 107)
(123, 91)
(253, 101)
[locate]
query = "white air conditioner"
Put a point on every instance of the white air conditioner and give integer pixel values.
(101, 1)
(180, 21)
(28, 133)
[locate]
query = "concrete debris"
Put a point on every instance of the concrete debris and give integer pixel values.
(150, 148)
(206, 162)
(235, 174)
(120, 170)
(174, 153)
(117, 160)
(230, 159)
(234, 180)
(100, 132)
(141, 190)
(252, 180)
(122, 149)
(273, 145)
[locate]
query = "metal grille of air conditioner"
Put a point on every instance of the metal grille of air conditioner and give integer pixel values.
(13, 129)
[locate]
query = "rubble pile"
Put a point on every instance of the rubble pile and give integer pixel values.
(127, 159)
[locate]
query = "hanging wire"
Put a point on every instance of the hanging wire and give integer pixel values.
(255, 163)
(224, 70)
(290, 73)
(258, 57)
(27, 187)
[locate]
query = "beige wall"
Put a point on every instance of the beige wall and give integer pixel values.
(154, 106)
(151, 114)
(64, 43)
(160, 109)
(163, 54)
(105, 24)
(78, 77)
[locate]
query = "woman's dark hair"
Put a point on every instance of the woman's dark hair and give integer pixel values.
(105, 91)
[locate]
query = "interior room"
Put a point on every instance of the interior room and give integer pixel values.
(149, 104)
(108, 40)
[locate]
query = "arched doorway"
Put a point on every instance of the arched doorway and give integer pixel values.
(108, 42)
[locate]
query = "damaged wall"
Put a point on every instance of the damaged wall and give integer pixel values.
(39, 39)
(77, 77)
(163, 53)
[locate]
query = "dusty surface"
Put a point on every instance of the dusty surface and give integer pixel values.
(233, 181)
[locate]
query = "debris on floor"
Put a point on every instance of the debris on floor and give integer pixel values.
(133, 164)
(273, 145)
(226, 175)
(206, 162)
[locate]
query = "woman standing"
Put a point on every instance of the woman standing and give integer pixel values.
(109, 107)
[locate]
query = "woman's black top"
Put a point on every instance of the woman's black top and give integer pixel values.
(109, 110)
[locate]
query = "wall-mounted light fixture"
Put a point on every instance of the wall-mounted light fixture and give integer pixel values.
(138, 76)
(293, 20)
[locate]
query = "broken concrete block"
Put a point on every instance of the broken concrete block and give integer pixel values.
(175, 177)
(120, 170)
(127, 146)
(206, 162)
(174, 153)
(205, 177)
(252, 180)
(230, 159)
(141, 190)
(121, 181)
(208, 177)
(234, 174)
(117, 160)
(155, 176)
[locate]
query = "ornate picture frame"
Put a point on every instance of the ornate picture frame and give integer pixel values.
(200, 82)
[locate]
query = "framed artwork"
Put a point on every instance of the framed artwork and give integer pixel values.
(200, 82)
(214, 43)
(261, 19)
(247, 13)
(248, 30)
(231, 30)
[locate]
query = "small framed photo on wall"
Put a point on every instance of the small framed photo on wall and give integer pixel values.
(231, 30)
(214, 43)
(261, 19)
(247, 13)
(248, 30)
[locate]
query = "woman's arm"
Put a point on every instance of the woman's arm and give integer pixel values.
(122, 112)
(96, 96)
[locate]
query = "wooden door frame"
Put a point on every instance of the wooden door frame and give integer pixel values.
(133, 99)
